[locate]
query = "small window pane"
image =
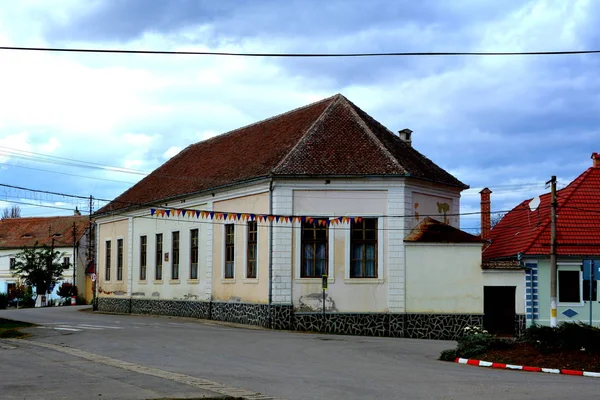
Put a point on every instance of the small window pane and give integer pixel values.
(568, 287)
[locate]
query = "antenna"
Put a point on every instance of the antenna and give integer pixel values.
(534, 203)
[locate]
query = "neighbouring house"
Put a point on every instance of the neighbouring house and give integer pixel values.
(68, 235)
(243, 227)
(521, 240)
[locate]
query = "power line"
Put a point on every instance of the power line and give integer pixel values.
(300, 55)
(68, 174)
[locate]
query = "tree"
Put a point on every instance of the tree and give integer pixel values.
(12, 212)
(496, 218)
(40, 267)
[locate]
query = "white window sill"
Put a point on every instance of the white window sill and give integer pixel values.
(228, 280)
(158, 282)
(313, 280)
(364, 281)
(174, 282)
(582, 304)
(253, 281)
(193, 281)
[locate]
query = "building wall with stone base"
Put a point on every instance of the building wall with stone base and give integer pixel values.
(282, 317)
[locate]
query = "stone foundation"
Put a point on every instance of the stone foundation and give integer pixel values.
(282, 317)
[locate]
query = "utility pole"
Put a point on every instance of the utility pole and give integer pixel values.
(553, 271)
(74, 259)
(90, 256)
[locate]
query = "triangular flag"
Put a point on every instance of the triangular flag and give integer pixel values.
(168, 213)
(152, 211)
(271, 218)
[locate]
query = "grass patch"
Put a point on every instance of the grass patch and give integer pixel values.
(10, 329)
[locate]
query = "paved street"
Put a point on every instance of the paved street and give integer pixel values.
(119, 356)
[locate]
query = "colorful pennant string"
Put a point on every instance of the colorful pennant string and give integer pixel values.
(211, 215)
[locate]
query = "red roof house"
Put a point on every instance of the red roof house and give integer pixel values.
(526, 228)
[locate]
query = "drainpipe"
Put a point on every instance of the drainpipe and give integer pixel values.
(270, 251)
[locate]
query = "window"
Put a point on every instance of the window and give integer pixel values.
(314, 251)
(66, 262)
(229, 251)
(252, 245)
(175, 251)
(107, 260)
(363, 248)
(194, 254)
(569, 289)
(143, 257)
(119, 259)
(159, 255)
(12, 262)
(590, 280)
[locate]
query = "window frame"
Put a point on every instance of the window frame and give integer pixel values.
(12, 263)
(314, 241)
(574, 268)
(380, 252)
(194, 253)
(107, 259)
(143, 258)
(175, 255)
(120, 259)
(226, 246)
(158, 256)
(250, 241)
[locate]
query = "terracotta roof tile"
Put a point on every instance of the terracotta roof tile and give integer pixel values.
(578, 223)
(432, 231)
(332, 137)
(15, 233)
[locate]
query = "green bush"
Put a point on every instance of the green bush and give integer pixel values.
(474, 342)
(567, 336)
(3, 301)
(449, 355)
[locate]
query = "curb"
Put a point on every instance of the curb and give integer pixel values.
(479, 363)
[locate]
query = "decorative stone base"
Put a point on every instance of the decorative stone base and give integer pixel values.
(177, 308)
(417, 326)
(241, 313)
(520, 324)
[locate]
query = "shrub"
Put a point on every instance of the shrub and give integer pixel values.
(567, 336)
(475, 341)
(3, 301)
(449, 355)
(66, 290)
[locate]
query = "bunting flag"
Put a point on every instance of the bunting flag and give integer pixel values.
(229, 216)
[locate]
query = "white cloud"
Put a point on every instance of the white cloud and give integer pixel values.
(171, 152)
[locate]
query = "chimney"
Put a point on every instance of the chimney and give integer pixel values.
(486, 219)
(596, 160)
(76, 212)
(405, 135)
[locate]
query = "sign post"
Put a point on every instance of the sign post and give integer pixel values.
(324, 287)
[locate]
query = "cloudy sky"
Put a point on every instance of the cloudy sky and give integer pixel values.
(504, 122)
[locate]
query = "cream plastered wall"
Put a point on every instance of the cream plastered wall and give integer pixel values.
(112, 230)
(508, 278)
(343, 294)
(241, 288)
(168, 288)
(444, 278)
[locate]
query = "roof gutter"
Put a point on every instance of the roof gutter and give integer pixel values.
(270, 251)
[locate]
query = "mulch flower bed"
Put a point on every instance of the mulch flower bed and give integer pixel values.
(528, 355)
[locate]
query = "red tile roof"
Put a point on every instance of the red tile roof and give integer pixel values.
(332, 137)
(578, 223)
(432, 231)
(15, 233)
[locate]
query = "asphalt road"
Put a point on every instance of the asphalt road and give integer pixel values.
(185, 354)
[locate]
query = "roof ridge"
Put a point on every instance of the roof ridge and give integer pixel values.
(264, 120)
(308, 131)
(371, 135)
